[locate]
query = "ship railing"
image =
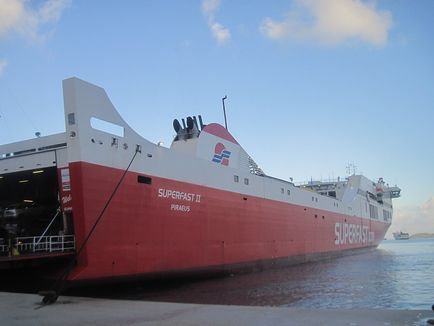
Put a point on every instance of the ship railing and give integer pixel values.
(319, 182)
(52, 243)
(3, 247)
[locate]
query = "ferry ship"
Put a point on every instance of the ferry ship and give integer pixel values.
(401, 235)
(122, 206)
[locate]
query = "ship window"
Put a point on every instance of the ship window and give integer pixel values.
(387, 215)
(332, 194)
(144, 179)
(313, 199)
(288, 192)
(373, 211)
(71, 119)
(282, 190)
(246, 181)
(43, 148)
(236, 178)
(316, 199)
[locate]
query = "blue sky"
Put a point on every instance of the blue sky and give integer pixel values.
(312, 85)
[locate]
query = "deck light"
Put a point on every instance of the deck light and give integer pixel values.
(23, 181)
(38, 171)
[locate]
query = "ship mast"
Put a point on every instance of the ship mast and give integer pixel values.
(224, 111)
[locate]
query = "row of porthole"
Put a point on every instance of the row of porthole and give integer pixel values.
(288, 192)
(282, 190)
(246, 182)
(315, 199)
(237, 179)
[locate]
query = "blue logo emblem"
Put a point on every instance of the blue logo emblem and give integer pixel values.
(221, 154)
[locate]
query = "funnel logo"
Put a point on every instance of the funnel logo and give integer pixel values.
(221, 154)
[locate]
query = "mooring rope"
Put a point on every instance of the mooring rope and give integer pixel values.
(51, 296)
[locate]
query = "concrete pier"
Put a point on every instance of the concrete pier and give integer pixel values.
(25, 309)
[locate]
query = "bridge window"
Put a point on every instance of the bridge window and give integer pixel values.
(373, 211)
(387, 215)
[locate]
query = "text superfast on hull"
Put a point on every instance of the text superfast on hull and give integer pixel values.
(201, 204)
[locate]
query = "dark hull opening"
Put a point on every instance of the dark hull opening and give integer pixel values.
(29, 201)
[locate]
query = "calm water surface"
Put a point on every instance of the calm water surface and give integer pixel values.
(397, 275)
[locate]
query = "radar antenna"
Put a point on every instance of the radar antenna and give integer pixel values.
(351, 168)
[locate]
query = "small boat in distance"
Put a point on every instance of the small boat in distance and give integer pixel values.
(401, 235)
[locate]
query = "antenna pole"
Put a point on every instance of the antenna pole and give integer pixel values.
(224, 111)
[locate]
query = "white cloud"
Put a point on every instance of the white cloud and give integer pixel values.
(10, 11)
(331, 22)
(220, 33)
(16, 16)
(418, 219)
(3, 64)
(210, 6)
(52, 10)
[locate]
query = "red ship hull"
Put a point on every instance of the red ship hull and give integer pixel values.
(140, 234)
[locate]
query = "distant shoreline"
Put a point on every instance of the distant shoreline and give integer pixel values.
(422, 235)
(417, 236)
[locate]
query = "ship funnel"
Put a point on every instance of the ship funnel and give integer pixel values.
(187, 130)
(201, 123)
(176, 125)
(190, 123)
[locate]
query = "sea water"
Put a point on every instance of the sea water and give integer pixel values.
(399, 274)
